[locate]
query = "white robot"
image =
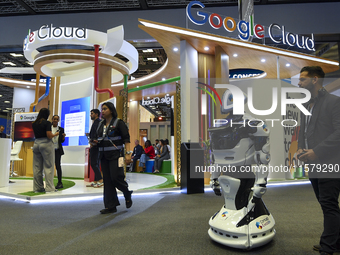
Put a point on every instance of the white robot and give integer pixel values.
(243, 222)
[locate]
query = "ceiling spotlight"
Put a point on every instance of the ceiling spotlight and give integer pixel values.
(148, 50)
(7, 102)
(167, 95)
(287, 65)
(0, 95)
(16, 55)
(179, 67)
(160, 118)
(163, 79)
(152, 59)
(263, 60)
(175, 49)
(206, 48)
(137, 86)
(235, 55)
(147, 97)
(28, 87)
(9, 63)
(130, 100)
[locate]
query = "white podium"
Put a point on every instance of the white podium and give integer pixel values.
(5, 156)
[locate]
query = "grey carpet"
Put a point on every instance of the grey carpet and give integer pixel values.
(156, 224)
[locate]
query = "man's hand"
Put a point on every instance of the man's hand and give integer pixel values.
(298, 153)
(64, 135)
(132, 157)
(309, 155)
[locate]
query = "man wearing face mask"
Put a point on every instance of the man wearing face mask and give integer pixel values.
(319, 146)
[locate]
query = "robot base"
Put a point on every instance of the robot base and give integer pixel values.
(224, 229)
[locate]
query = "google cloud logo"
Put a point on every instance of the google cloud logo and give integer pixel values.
(258, 225)
(210, 94)
(21, 117)
(224, 214)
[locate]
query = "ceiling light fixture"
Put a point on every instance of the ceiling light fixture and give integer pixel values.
(163, 79)
(287, 65)
(175, 49)
(239, 43)
(152, 59)
(235, 55)
(9, 63)
(148, 50)
(16, 55)
(179, 67)
(263, 60)
(28, 87)
(7, 102)
(206, 48)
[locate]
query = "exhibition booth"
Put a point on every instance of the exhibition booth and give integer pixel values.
(200, 63)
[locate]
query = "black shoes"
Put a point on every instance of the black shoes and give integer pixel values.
(59, 186)
(39, 191)
(317, 247)
(108, 210)
(128, 201)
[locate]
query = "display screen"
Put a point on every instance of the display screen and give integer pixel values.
(23, 131)
(75, 119)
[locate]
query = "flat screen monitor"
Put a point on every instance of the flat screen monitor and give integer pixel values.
(75, 119)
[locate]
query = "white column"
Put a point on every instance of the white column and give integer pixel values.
(189, 93)
(5, 155)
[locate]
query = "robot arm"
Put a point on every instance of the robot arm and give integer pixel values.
(261, 157)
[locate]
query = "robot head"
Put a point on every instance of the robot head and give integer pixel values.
(227, 102)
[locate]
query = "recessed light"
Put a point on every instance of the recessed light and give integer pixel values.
(148, 50)
(137, 86)
(167, 95)
(175, 49)
(235, 55)
(0, 95)
(179, 67)
(7, 102)
(130, 100)
(287, 65)
(152, 59)
(9, 63)
(28, 87)
(16, 55)
(147, 97)
(263, 60)
(163, 79)
(206, 48)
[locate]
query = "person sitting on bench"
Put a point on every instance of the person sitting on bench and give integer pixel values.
(164, 154)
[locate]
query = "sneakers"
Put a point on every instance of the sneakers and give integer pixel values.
(95, 185)
(98, 185)
(59, 186)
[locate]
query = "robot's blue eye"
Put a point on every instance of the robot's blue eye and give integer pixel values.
(230, 97)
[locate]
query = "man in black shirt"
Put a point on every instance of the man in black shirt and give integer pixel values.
(137, 153)
(94, 153)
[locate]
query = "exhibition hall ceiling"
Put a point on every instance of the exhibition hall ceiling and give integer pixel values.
(33, 7)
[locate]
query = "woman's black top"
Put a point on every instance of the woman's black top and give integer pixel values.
(40, 129)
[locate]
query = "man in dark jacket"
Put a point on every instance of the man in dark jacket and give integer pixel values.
(94, 153)
(319, 141)
(58, 148)
(137, 153)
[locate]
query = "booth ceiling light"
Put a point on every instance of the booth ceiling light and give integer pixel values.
(78, 54)
(7, 102)
(28, 87)
(235, 55)
(238, 43)
(206, 48)
(145, 77)
(287, 65)
(263, 60)
(163, 79)
(148, 50)
(152, 59)
(16, 55)
(179, 67)
(0, 95)
(175, 49)
(9, 63)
